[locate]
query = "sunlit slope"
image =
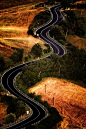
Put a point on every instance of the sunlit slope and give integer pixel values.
(14, 23)
(69, 100)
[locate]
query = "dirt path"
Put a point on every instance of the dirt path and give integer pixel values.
(68, 98)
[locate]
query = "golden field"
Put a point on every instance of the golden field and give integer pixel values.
(69, 100)
(3, 112)
(14, 23)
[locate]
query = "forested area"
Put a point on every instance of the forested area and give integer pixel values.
(71, 66)
(72, 24)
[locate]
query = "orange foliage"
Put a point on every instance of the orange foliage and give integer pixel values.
(3, 112)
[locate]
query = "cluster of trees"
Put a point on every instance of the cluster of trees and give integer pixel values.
(10, 118)
(17, 55)
(48, 48)
(16, 108)
(37, 51)
(76, 24)
(71, 25)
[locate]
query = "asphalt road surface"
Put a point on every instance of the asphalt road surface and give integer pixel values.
(43, 31)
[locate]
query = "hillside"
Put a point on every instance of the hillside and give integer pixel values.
(11, 3)
(14, 23)
(69, 100)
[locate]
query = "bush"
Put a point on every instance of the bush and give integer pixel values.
(9, 118)
(36, 50)
(17, 56)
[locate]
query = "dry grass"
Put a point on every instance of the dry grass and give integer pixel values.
(3, 112)
(69, 100)
(77, 41)
(14, 23)
(6, 50)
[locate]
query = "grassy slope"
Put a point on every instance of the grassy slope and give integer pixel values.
(77, 41)
(69, 100)
(14, 23)
(11, 3)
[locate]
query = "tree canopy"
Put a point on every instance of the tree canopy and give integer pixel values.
(36, 50)
(9, 118)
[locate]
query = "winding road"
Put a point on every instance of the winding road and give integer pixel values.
(39, 112)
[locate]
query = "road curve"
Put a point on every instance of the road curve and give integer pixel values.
(43, 31)
(39, 112)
